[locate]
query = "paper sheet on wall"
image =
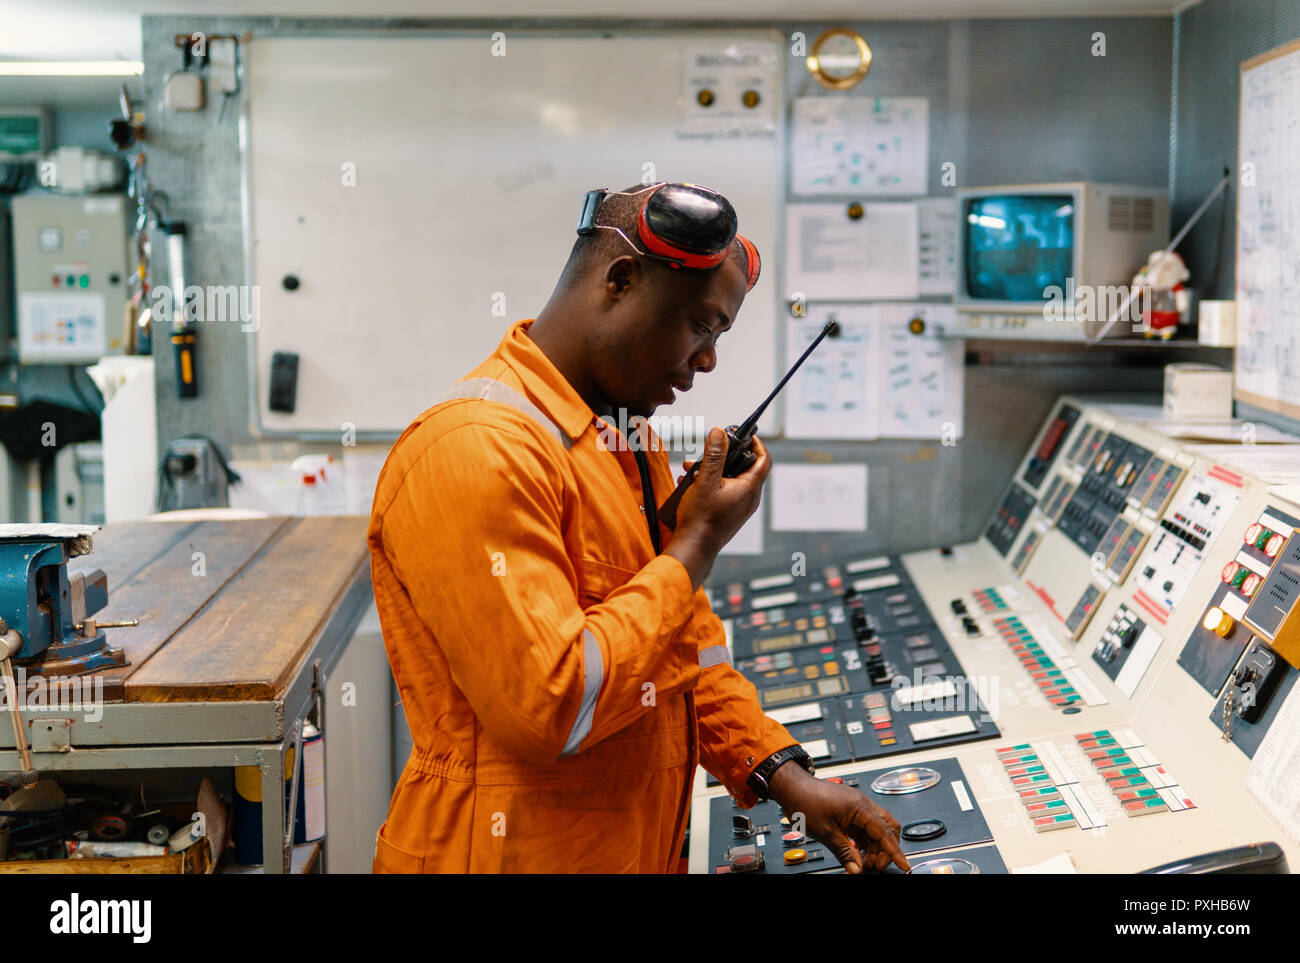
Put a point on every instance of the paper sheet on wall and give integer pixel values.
(830, 256)
(836, 392)
(924, 377)
(1274, 773)
(819, 498)
(937, 245)
(747, 541)
(860, 145)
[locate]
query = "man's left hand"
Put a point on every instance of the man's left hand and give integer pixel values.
(840, 817)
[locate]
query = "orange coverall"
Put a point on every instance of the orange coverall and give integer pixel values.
(561, 681)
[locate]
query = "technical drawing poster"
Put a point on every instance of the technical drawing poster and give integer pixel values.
(1268, 233)
(877, 379)
(836, 393)
(924, 377)
(860, 145)
(833, 256)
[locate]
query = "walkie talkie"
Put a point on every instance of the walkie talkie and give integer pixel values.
(740, 438)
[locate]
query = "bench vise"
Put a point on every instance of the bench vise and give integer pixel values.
(45, 614)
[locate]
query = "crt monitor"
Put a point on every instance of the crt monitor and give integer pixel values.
(1025, 250)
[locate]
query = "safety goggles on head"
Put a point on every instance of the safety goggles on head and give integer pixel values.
(684, 224)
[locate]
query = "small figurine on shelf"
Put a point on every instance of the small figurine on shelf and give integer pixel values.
(1164, 299)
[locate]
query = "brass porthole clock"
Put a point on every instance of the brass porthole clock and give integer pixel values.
(839, 59)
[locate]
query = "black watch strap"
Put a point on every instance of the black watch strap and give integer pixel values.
(760, 779)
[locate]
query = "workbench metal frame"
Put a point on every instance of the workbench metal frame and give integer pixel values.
(217, 734)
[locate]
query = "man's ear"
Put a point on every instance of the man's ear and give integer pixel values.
(620, 275)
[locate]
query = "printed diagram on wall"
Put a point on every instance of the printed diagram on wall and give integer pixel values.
(877, 379)
(924, 376)
(831, 396)
(860, 145)
(1268, 236)
(819, 498)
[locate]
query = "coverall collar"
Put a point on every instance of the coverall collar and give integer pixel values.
(550, 390)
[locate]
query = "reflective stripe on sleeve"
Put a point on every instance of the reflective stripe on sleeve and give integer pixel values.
(714, 655)
(593, 675)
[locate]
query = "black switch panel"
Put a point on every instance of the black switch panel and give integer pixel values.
(1010, 517)
(1049, 446)
(1254, 679)
(284, 382)
(1117, 641)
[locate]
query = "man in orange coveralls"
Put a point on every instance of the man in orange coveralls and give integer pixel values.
(560, 667)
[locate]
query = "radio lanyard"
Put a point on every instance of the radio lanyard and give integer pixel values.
(648, 497)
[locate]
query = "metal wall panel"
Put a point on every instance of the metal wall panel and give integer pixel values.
(996, 89)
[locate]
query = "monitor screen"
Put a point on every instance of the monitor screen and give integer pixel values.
(1018, 245)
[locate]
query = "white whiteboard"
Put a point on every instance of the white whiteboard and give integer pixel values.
(469, 171)
(1268, 233)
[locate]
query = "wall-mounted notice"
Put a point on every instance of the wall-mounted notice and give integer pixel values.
(937, 245)
(61, 327)
(860, 145)
(819, 498)
(729, 89)
(878, 379)
(836, 392)
(924, 377)
(832, 256)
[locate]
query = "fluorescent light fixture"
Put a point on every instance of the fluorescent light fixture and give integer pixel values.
(71, 68)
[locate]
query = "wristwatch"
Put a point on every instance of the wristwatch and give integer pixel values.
(760, 778)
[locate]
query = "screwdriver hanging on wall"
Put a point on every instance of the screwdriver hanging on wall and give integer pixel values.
(184, 333)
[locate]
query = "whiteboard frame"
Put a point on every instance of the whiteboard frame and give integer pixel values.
(1276, 406)
(261, 432)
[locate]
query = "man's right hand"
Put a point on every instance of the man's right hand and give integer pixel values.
(714, 508)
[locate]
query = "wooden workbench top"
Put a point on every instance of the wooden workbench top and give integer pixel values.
(227, 609)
